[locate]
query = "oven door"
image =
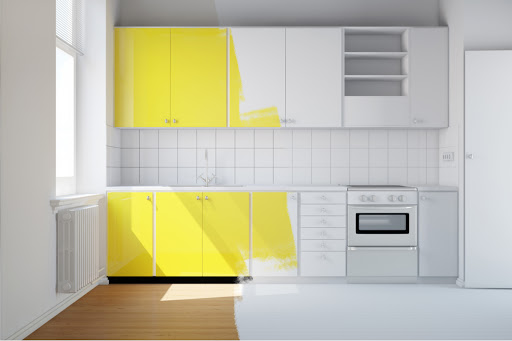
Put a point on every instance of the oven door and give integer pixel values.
(382, 225)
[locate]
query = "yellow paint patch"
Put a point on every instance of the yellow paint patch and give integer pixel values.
(273, 239)
(265, 117)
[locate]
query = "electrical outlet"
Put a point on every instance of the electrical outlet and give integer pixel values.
(448, 156)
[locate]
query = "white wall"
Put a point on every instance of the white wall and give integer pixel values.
(488, 24)
(27, 161)
(279, 13)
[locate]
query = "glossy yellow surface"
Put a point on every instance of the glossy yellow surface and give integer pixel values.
(226, 234)
(199, 77)
(273, 240)
(265, 117)
(179, 234)
(142, 77)
(130, 234)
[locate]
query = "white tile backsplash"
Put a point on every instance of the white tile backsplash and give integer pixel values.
(273, 156)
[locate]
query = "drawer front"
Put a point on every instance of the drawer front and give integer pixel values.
(323, 233)
(323, 264)
(323, 245)
(323, 197)
(319, 221)
(323, 210)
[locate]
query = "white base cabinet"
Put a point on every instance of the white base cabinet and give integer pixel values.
(438, 234)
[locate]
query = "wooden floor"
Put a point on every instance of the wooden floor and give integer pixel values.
(148, 311)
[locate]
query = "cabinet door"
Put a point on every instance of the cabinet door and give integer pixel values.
(429, 77)
(130, 234)
(274, 234)
(226, 234)
(142, 77)
(179, 234)
(313, 77)
(437, 234)
(198, 77)
(257, 77)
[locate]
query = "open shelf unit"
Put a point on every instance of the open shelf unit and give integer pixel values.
(376, 61)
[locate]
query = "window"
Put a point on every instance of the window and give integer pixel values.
(65, 121)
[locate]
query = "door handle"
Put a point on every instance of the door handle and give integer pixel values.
(469, 156)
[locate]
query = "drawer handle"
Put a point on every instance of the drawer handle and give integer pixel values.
(323, 221)
(323, 233)
(323, 245)
(324, 197)
(324, 257)
(324, 210)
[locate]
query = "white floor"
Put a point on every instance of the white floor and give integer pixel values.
(372, 311)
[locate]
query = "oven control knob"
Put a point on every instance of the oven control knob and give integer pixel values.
(392, 198)
(401, 198)
(363, 198)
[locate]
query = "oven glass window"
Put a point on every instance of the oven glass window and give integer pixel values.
(378, 223)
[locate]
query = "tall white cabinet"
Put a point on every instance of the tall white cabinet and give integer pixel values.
(438, 234)
(314, 77)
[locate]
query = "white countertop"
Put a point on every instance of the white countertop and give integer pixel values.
(256, 188)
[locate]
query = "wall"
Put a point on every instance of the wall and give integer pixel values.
(280, 157)
(487, 25)
(278, 13)
(27, 164)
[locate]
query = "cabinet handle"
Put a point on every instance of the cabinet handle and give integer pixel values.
(323, 197)
(148, 198)
(166, 121)
(174, 121)
(206, 198)
(197, 198)
(324, 210)
(293, 197)
(323, 221)
(424, 198)
(323, 257)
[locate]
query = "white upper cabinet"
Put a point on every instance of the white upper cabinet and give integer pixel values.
(314, 77)
(257, 77)
(429, 77)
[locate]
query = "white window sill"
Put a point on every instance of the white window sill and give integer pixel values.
(68, 201)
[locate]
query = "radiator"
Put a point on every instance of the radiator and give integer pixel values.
(77, 247)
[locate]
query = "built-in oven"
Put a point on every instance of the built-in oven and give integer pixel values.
(382, 234)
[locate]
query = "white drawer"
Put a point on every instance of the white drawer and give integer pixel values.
(323, 233)
(320, 221)
(323, 245)
(323, 209)
(323, 264)
(323, 197)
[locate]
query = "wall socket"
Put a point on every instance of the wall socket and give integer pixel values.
(448, 156)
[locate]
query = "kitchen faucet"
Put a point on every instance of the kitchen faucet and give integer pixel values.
(206, 179)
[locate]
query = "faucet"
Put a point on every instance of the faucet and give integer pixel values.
(206, 179)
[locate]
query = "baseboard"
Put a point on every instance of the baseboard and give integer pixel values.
(460, 282)
(47, 316)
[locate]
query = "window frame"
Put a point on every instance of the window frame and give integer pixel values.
(67, 185)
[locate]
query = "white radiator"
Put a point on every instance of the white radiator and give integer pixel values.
(77, 247)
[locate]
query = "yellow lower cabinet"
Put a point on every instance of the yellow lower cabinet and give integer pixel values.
(179, 234)
(274, 234)
(130, 234)
(226, 234)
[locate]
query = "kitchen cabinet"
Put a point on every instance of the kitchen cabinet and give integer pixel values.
(257, 77)
(142, 77)
(429, 77)
(198, 84)
(314, 77)
(226, 239)
(438, 234)
(274, 234)
(179, 234)
(130, 234)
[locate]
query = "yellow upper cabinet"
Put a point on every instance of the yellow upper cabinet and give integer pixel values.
(142, 77)
(257, 77)
(130, 234)
(179, 234)
(226, 222)
(274, 234)
(198, 77)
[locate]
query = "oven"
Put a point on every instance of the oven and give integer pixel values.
(382, 234)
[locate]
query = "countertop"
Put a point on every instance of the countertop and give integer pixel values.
(255, 188)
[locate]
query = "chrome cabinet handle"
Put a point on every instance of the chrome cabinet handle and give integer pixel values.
(197, 198)
(174, 121)
(148, 198)
(423, 198)
(323, 257)
(323, 197)
(283, 120)
(166, 121)
(324, 210)
(323, 221)
(206, 198)
(293, 197)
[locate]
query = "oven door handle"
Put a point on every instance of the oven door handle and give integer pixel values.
(382, 248)
(382, 208)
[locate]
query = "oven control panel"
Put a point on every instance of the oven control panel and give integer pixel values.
(383, 198)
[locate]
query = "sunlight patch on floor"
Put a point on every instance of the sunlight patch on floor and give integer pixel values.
(178, 292)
